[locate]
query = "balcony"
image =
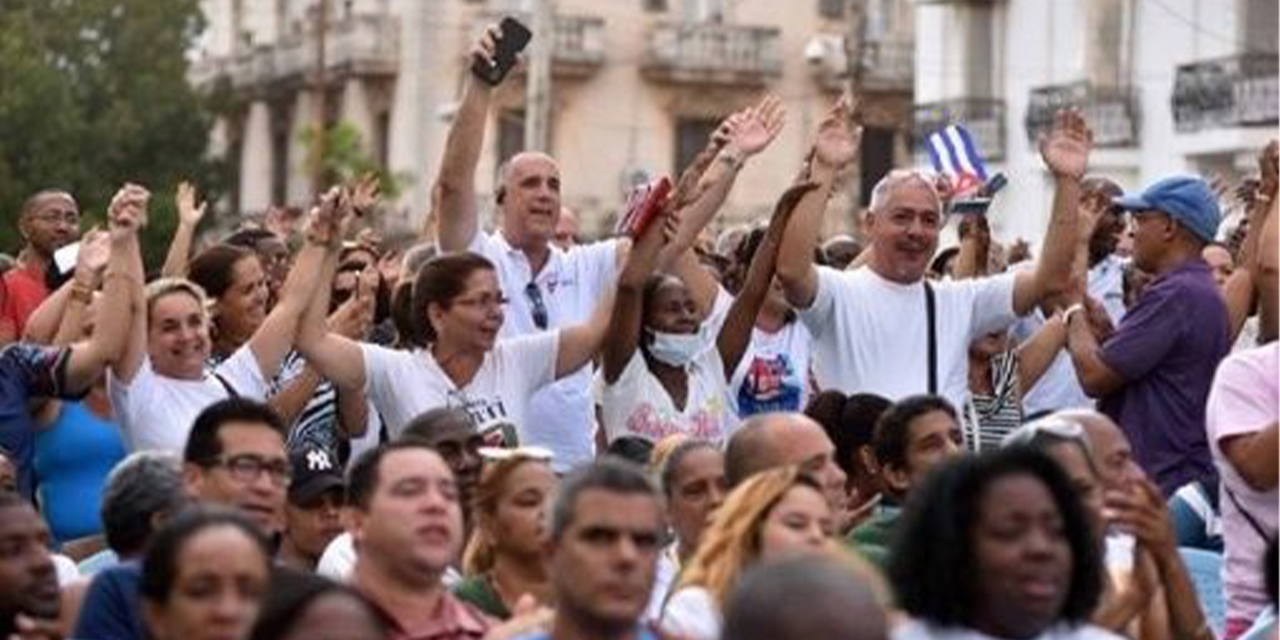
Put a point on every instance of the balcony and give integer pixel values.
(578, 41)
(1112, 112)
(887, 65)
(983, 117)
(718, 54)
(365, 45)
(1227, 92)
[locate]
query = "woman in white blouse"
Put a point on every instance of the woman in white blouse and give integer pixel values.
(456, 313)
(162, 381)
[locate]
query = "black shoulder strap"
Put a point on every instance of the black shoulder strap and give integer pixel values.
(231, 391)
(931, 313)
(1253, 522)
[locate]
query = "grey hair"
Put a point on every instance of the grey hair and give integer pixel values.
(142, 485)
(896, 178)
(415, 257)
(612, 474)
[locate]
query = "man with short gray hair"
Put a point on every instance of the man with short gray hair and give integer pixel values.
(140, 493)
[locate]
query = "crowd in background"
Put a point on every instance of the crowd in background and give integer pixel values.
(299, 431)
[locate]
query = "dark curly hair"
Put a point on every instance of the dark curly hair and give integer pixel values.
(932, 565)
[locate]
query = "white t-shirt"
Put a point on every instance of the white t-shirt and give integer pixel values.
(773, 374)
(637, 404)
(1058, 387)
(664, 577)
(405, 384)
(338, 562)
(157, 412)
(691, 614)
(572, 283)
(870, 335)
(917, 630)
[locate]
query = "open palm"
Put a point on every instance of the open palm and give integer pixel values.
(1066, 149)
(760, 125)
(839, 135)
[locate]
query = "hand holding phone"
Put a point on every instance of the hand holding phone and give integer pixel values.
(513, 37)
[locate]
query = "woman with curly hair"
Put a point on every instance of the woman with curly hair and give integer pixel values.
(504, 560)
(777, 513)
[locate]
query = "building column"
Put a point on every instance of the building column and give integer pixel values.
(255, 159)
(356, 112)
(300, 187)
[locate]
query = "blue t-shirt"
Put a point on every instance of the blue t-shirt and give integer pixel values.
(72, 459)
(1167, 349)
(27, 371)
(112, 608)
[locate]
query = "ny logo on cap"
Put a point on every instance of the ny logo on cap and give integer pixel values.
(318, 460)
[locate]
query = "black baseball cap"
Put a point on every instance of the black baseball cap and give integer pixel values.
(315, 471)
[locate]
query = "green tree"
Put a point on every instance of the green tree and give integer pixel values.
(94, 93)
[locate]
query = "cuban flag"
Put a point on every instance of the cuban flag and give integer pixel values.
(955, 156)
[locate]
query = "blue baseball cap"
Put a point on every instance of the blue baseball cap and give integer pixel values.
(1188, 200)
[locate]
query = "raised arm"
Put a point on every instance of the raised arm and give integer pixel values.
(189, 215)
(275, 338)
(622, 336)
(839, 137)
(1037, 353)
(336, 357)
(735, 335)
(127, 215)
(1066, 154)
(455, 185)
(58, 319)
(1266, 268)
(739, 138)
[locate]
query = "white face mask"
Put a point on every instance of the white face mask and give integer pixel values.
(675, 349)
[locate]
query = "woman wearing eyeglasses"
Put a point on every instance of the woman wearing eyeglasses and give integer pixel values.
(457, 312)
(661, 375)
(504, 561)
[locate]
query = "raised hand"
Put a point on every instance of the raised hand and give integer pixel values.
(757, 127)
(325, 224)
(486, 48)
(189, 213)
(365, 194)
(1143, 514)
(95, 249)
(1065, 149)
(839, 135)
(127, 213)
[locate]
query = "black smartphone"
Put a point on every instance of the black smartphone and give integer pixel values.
(515, 37)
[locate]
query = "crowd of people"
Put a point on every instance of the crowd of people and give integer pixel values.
(517, 433)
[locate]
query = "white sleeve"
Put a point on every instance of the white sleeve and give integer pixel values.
(242, 372)
(602, 263)
(819, 316)
(992, 300)
(531, 359)
(691, 614)
(379, 369)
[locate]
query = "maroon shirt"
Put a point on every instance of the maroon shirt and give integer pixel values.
(1167, 349)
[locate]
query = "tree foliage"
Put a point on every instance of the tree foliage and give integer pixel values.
(94, 93)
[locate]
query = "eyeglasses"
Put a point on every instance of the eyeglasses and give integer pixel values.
(54, 217)
(537, 305)
(247, 468)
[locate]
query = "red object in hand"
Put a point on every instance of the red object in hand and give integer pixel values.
(643, 206)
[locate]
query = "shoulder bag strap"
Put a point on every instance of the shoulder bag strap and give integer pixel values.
(931, 313)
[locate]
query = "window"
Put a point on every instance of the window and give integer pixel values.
(875, 159)
(831, 9)
(510, 135)
(692, 135)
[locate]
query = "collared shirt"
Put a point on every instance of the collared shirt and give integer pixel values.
(561, 416)
(451, 619)
(1167, 349)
